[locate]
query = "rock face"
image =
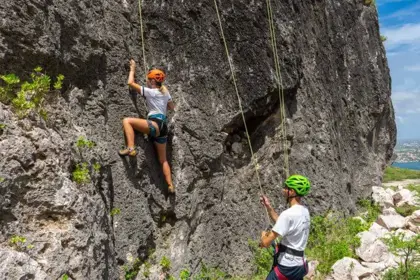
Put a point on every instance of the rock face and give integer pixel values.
(339, 122)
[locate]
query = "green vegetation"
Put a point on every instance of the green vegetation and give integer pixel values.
(83, 170)
(59, 83)
(81, 173)
(97, 166)
(184, 274)
(30, 95)
(165, 263)
(370, 2)
(406, 210)
(146, 272)
(18, 243)
(207, 273)
(65, 277)
(115, 211)
(408, 249)
(372, 211)
(2, 179)
(263, 258)
(132, 270)
(398, 174)
(2, 126)
(332, 238)
(414, 188)
(383, 38)
(82, 143)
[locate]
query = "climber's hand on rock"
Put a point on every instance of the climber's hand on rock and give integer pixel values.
(132, 65)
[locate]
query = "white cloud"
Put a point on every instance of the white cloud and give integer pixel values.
(412, 68)
(400, 119)
(404, 96)
(407, 34)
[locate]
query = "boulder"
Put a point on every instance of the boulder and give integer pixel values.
(415, 217)
(404, 196)
(371, 248)
(349, 269)
(391, 221)
(382, 197)
(389, 211)
(378, 230)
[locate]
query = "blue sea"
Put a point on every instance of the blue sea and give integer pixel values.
(408, 165)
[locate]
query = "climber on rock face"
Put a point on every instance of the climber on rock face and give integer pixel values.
(158, 101)
(292, 226)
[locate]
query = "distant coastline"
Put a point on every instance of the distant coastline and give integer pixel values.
(415, 165)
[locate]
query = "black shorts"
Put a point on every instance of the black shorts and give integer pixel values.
(163, 129)
(288, 273)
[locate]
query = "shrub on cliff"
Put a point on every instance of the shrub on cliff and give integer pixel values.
(29, 95)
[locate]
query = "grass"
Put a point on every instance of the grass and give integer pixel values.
(81, 173)
(115, 211)
(399, 174)
(406, 210)
(414, 188)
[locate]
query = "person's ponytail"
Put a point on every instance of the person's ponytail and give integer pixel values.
(163, 89)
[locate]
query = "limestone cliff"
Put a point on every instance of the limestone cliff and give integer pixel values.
(340, 128)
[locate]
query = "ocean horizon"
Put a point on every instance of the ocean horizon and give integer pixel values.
(408, 165)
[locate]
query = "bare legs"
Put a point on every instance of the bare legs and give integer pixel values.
(131, 124)
(161, 150)
(138, 124)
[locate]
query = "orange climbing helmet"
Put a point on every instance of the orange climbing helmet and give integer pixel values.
(157, 75)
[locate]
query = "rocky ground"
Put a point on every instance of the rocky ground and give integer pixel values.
(375, 257)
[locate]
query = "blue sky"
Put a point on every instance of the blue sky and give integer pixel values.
(399, 21)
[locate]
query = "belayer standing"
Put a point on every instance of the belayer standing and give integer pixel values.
(292, 226)
(158, 101)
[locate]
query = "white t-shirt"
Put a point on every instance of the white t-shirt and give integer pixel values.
(156, 100)
(293, 226)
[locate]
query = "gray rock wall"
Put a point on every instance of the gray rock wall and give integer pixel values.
(340, 128)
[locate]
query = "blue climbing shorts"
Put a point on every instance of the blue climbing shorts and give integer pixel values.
(160, 120)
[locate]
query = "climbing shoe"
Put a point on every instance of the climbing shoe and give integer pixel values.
(128, 152)
(171, 189)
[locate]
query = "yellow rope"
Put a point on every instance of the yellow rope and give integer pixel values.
(142, 41)
(279, 85)
(254, 158)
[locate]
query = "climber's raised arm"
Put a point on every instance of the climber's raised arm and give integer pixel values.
(131, 82)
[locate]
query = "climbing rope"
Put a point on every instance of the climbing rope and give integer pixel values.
(142, 41)
(279, 85)
(253, 156)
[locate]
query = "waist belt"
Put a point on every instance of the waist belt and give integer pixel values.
(283, 248)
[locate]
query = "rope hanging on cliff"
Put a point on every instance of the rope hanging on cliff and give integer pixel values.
(279, 84)
(253, 156)
(142, 41)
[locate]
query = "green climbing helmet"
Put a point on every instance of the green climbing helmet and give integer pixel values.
(299, 183)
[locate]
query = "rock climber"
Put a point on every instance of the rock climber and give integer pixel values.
(292, 226)
(158, 101)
